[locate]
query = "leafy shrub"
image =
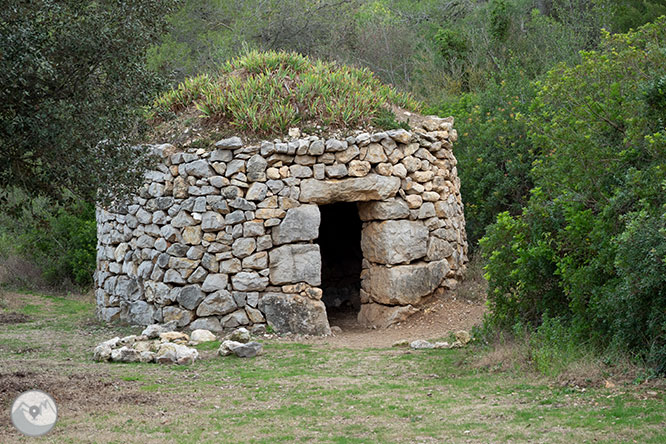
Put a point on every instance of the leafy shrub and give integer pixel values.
(60, 239)
(588, 250)
(267, 92)
(494, 153)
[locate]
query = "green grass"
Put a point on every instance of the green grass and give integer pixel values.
(306, 393)
(268, 92)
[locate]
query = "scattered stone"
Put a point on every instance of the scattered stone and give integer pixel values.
(421, 344)
(174, 336)
(240, 335)
(200, 335)
(463, 336)
(249, 350)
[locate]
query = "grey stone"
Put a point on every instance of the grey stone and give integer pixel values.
(218, 303)
(181, 316)
(249, 350)
(199, 168)
(173, 277)
(256, 168)
(383, 210)
(182, 220)
(235, 319)
(221, 155)
(257, 261)
(191, 296)
(394, 241)
(421, 344)
(249, 281)
(215, 282)
(210, 323)
(335, 145)
(403, 284)
(235, 166)
(178, 250)
(230, 266)
(242, 204)
(229, 144)
(243, 247)
(234, 217)
(241, 335)
(300, 224)
(291, 264)
(336, 170)
(212, 221)
(438, 249)
(257, 191)
(356, 189)
(316, 148)
(140, 313)
(291, 313)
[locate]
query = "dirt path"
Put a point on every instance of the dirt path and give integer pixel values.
(436, 321)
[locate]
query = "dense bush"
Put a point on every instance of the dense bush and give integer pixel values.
(589, 247)
(494, 153)
(59, 239)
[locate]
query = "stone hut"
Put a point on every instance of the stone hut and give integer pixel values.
(282, 233)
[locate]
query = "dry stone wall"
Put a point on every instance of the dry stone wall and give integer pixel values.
(226, 237)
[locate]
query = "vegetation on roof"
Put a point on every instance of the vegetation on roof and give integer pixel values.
(268, 92)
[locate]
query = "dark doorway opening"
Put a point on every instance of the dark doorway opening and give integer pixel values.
(341, 258)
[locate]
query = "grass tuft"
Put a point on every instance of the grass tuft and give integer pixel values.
(268, 92)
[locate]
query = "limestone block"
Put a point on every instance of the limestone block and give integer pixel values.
(212, 221)
(295, 263)
(403, 284)
(370, 187)
(300, 224)
(394, 241)
(383, 210)
(218, 303)
(295, 314)
(249, 281)
(190, 297)
(438, 249)
(173, 313)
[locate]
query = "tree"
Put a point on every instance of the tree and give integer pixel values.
(74, 78)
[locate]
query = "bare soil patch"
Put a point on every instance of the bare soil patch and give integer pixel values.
(436, 320)
(13, 318)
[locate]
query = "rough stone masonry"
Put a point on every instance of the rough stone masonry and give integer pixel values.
(226, 237)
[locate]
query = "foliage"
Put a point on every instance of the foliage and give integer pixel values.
(588, 248)
(268, 92)
(60, 239)
(73, 75)
(494, 153)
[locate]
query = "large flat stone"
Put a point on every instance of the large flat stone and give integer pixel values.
(355, 189)
(383, 210)
(394, 241)
(291, 264)
(300, 224)
(295, 314)
(403, 284)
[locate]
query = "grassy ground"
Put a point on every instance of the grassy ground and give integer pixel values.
(296, 392)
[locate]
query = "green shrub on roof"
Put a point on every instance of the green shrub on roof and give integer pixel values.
(268, 92)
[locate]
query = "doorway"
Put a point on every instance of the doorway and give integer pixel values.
(341, 258)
